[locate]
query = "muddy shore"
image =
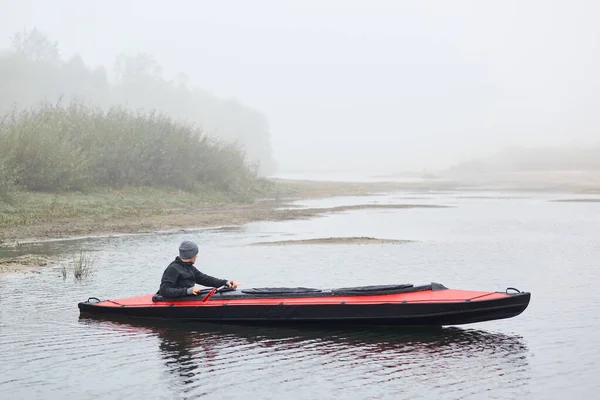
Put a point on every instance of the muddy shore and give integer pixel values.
(200, 218)
(23, 262)
(157, 217)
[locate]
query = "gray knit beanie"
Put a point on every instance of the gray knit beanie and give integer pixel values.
(187, 250)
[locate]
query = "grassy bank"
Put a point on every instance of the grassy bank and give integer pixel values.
(36, 215)
(29, 208)
(35, 208)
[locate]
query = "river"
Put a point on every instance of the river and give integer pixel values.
(482, 241)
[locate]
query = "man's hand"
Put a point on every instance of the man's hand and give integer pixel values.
(195, 291)
(232, 284)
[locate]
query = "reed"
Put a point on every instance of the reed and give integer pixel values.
(82, 266)
(56, 148)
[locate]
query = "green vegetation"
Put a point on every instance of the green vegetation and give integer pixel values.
(7, 187)
(55, 148)
(34, 208)
(82, 266)
(95, 157)
(77, 161)
(33, 71)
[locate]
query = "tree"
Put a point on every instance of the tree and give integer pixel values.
(135, 68)
(35, 46)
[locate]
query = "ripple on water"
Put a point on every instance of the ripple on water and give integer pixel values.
(201, 358)
(550, 249)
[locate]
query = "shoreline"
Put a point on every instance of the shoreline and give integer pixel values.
(159, 218)
(201, 219)
(156, 216)
(151, 214)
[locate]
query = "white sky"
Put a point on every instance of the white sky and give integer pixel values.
(376, 85)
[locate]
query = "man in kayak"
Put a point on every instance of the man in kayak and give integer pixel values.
(180, 276)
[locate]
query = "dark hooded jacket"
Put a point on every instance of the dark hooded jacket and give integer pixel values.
(180, 276)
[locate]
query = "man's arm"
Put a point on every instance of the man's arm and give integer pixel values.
(207, 280)
(168, 282)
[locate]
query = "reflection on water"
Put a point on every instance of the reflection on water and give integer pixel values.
(194, 353)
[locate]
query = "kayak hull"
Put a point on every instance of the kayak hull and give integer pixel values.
(432, 305)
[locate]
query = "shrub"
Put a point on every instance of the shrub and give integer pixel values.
(54, 148)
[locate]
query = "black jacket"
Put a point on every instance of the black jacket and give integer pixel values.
(179, 276)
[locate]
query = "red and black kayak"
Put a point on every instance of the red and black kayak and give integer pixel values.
(405, 304)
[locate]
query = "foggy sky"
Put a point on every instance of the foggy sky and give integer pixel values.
(364, 85)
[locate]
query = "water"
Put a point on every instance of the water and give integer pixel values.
(482, 241)
(349, 177)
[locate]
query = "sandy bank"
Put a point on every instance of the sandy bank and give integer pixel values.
(24, 262)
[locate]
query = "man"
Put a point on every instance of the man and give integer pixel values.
(180, 276)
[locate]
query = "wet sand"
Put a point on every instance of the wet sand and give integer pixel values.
(162, 220)
(166, 219)
(24, 262)
(215, 217)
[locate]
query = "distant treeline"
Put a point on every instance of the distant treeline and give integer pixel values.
(32, 71)
(535, 160)
(74, 147)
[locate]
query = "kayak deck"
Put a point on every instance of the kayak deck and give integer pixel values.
(237, 298)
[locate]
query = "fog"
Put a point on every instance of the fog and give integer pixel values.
(377, 86)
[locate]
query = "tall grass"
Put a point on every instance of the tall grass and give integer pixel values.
(7, 186)
(60, 148)
(82, 266)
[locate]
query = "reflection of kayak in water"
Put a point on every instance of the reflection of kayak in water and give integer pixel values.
(191, 351)
(429, 305)
(372, 339)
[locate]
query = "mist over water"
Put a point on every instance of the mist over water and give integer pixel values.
(374, 86)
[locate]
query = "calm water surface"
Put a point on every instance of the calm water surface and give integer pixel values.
(486, 241)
